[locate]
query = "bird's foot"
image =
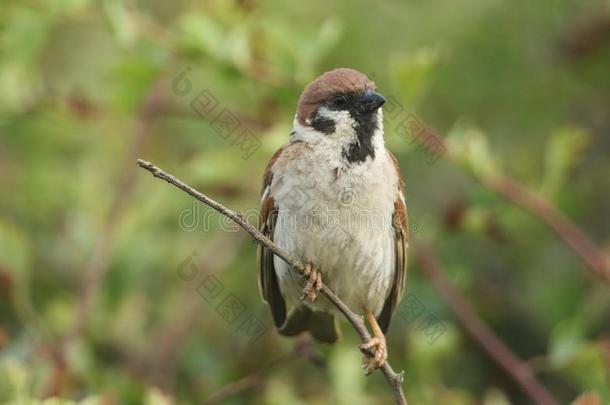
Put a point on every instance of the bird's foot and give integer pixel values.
(375, 354)
(375, 350)
(314, 283)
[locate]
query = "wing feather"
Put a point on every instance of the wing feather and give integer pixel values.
(267, 278)
(400, 224)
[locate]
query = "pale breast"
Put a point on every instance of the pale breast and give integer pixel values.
(339, 219)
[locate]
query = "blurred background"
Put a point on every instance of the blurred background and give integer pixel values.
(116, 288)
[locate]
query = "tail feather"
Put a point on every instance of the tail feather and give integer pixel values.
(322, 326)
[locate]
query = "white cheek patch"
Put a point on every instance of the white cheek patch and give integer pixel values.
(344, 123)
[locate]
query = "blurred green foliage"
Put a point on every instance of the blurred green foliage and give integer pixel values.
(521, 88)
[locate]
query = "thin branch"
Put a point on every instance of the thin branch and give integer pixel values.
(574, 237)
(393, 378)
(97, 267)
(301, 348)
(593, 256)
(168, 338)
(499, 352)
(249, 381)
(244, 383)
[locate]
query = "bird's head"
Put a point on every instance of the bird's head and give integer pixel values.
(343, 104)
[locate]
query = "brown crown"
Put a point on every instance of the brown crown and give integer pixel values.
(341, 80)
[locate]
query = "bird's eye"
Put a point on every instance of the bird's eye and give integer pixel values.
(340, 101)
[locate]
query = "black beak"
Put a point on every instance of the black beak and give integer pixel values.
(370, 101)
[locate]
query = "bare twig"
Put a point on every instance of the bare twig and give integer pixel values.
(97, 267)
(575, 238)
(244, 383)
(595, 258)
(168, 338)
(301, 348)
(394, 379)
(480, 332)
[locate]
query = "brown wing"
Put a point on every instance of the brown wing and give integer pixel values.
(267, 278)
(400, 224)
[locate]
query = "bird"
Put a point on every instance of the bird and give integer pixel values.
(333, 198)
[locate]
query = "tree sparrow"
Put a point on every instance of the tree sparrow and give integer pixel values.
(333, 198)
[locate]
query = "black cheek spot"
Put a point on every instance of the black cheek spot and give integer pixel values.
(324, 125)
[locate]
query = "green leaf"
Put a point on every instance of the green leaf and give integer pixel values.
(202, 33)
(469, 146)
(565, 148)
(413, 72)
(121, 21)
(565, 342)
(346, 374)
(155, 396)
(280, 392)
(14, 251)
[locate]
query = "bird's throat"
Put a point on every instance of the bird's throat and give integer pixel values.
(362, 147)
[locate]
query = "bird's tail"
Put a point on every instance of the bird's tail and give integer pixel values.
(321, 325)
